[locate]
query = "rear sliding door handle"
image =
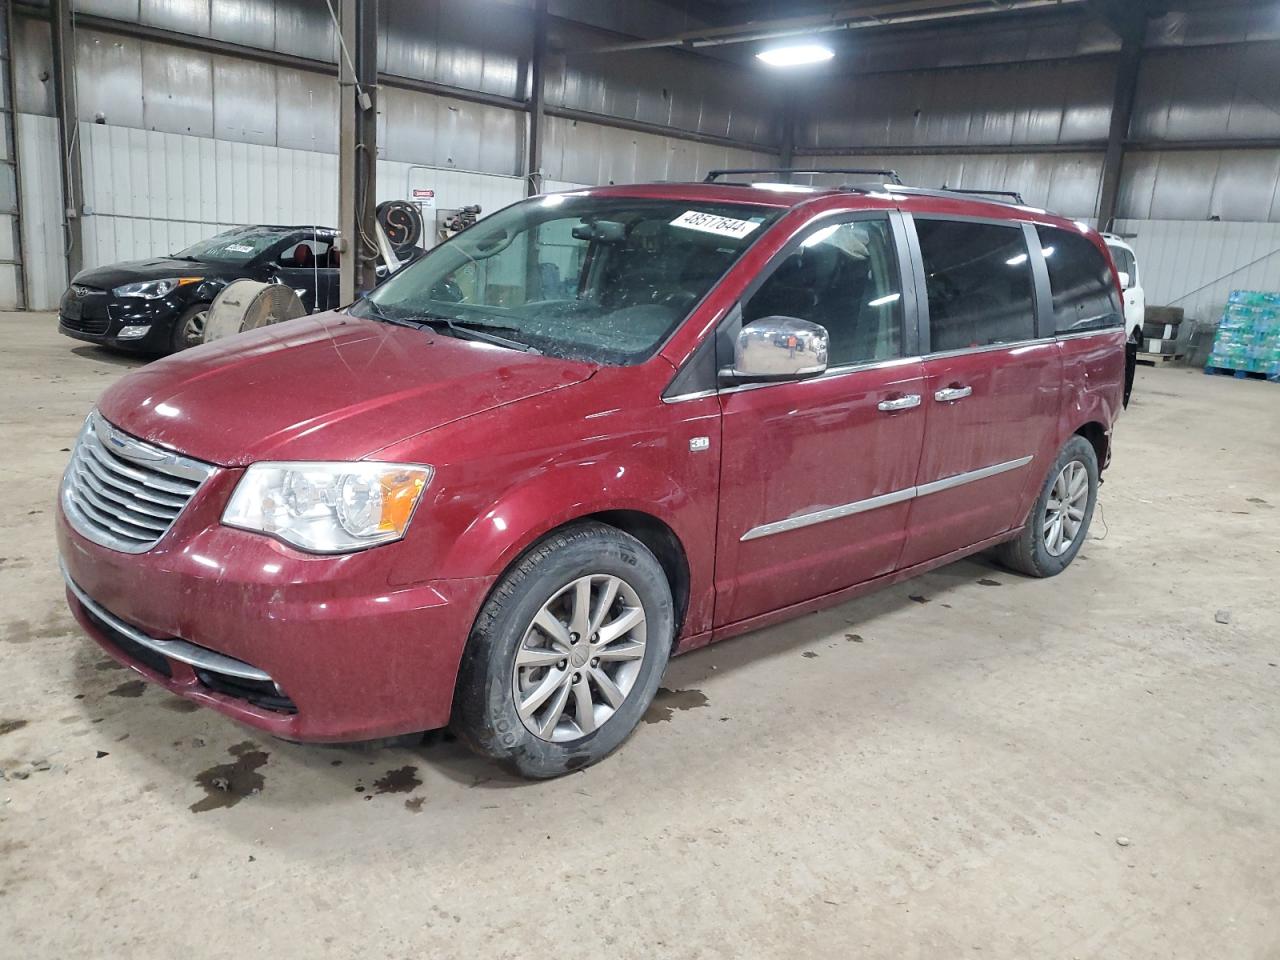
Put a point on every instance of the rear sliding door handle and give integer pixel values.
(900, 403)
(952, 393)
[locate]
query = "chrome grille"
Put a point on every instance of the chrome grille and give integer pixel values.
(123, 493)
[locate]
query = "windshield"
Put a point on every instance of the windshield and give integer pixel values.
(604, 279)
(234, 246)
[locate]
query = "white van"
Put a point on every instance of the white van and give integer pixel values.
(1135, 300)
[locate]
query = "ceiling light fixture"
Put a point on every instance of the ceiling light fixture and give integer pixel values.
(796, 55)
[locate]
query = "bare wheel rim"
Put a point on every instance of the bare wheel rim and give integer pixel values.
(579, 659)
(194, 331)
(1064, 513)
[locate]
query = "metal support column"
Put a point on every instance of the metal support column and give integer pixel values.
(64, 91)
(357, 145)
(536, 101)
(787, 148)
(1130, 25)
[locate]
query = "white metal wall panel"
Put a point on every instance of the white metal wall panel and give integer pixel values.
(560, 186)
(454, 188)
(42, 237)
(1196, 264)
(149, 193)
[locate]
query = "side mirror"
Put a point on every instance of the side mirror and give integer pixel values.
(779, 348)
(1125, 280)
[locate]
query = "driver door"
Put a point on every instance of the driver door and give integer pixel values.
(817, 474)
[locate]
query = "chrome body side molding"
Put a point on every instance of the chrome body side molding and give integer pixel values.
(883, 500)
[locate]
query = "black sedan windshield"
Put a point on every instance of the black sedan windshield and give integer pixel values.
(233, 246)
(600, 278)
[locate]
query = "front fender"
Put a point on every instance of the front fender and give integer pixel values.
(530, 510)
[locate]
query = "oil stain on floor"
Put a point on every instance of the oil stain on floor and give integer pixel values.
(668, 701)
(227, 784)
(402, 780)
(130, 688)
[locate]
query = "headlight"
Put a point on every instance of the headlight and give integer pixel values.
(328, 507)
(154, 289)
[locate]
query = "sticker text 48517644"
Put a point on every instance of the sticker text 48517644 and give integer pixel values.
(711, 223)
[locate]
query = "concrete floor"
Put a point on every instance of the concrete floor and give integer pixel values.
(1082, 767)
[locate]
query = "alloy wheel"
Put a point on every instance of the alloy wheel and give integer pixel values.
(1064, 512)
(193, 332)
(580, 657)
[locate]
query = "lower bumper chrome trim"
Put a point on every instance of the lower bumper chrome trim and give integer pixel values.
(179, 650)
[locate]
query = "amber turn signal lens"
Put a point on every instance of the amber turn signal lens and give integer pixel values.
(399, 496)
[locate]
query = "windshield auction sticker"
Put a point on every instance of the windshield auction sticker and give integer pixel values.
(710, 223)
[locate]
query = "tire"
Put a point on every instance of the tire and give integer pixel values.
(545, 584)
(188, 329)
(1037, 551)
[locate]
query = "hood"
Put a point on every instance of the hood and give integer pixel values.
(133, 271)
(325, 387)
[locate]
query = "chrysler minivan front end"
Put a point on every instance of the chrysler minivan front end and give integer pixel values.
(285, 525)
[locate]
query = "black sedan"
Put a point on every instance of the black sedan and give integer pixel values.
(160, 305)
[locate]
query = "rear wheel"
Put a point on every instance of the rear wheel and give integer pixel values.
(188, 329)
(1059, 522)
(567, 653)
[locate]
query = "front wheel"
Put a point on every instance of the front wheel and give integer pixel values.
(567, 653)
(1059, 521)
(188, 329)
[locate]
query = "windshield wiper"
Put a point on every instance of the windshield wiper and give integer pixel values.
(479, 330)
(377, 313)
(462, 329)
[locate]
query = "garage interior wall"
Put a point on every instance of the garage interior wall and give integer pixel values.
(1030, 112)
(178, 143)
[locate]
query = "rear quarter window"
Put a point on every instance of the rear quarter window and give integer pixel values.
(1084, 292)
(979, 283)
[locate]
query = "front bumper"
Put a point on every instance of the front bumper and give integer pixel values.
(345, 655)
(99, 317)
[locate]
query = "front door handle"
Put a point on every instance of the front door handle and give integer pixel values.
(949, 394)
(900, 403)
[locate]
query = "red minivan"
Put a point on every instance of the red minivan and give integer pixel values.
(592, 431)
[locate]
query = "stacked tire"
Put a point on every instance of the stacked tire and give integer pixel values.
(1160, 330)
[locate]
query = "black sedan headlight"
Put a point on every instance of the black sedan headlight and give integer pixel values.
(154, 289)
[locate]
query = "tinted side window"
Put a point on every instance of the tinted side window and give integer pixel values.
(1084, 293)
(978, 277)
(844, 277)
(1125, 263)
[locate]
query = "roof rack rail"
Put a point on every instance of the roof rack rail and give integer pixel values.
(1011, 194)
(890, 175)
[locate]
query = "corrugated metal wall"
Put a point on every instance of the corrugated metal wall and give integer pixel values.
(581, 152)
(43, 243)
(1066, 183)
(188, 141)
(178, 142)
(665, 87)
(1207, 221)
(1047, 103)
(1196, 264)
